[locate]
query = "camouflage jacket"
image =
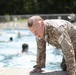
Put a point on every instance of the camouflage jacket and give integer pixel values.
(62, 35)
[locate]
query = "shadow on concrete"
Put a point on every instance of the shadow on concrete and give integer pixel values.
(51, 73)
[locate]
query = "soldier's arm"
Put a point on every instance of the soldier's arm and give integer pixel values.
(68, 52)
(41, 56)
(41, 53)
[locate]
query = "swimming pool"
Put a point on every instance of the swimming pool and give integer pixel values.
(9, 50)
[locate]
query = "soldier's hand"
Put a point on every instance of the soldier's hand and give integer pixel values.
(36, 70)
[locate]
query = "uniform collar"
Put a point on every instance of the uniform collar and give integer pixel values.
(46, 35)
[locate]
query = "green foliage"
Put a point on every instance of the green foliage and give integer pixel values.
(15, 7)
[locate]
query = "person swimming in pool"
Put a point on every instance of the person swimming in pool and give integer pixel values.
(24, 48)
(6, 40)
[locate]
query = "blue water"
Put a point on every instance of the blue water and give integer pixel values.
(9, 51)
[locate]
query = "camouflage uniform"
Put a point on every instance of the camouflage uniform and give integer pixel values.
(62, 35)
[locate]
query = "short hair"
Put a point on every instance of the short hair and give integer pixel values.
(32, 19)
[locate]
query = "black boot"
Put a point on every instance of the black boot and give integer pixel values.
(63, 65)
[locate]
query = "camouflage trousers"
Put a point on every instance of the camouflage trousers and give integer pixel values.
(63, 64)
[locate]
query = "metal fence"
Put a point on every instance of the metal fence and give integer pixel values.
(13, 21)
(7, 18)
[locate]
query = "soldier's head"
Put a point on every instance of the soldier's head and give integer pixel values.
(36, 26)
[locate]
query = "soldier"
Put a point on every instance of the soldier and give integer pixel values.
(57, 32)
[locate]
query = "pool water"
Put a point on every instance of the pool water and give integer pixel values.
(10, 55)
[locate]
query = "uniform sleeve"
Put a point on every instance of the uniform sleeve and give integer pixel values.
(41, 53)
(68, 52)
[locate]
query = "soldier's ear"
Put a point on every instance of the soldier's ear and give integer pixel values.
(42, 23)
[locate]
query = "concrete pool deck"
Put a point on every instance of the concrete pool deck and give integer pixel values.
(15, 25)
(14, 71)
(23, 71)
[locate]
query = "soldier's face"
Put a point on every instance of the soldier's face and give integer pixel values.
(37, 29)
